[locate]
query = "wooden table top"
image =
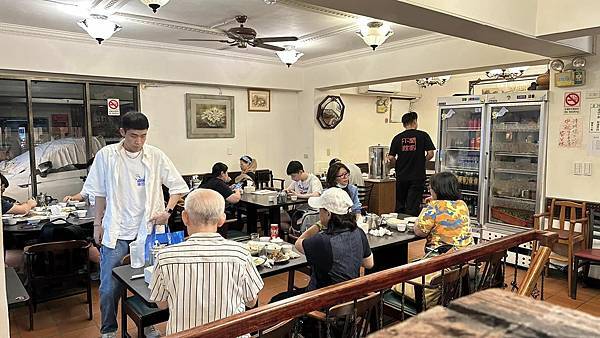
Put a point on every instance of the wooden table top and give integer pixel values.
(496, 313)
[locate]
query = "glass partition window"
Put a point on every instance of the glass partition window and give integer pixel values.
(58, 121)
(14, 137)
(105, 126)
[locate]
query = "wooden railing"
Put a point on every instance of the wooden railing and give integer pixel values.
(268, 315)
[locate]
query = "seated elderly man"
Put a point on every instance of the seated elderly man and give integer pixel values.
(207, 277)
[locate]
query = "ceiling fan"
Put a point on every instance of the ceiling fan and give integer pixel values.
(242, 37)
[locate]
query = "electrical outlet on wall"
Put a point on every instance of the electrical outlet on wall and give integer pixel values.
(229, 151)
(328, 152)
(587, 168)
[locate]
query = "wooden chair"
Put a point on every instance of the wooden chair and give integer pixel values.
(142, 313)
(568, 236)
(449, 284)
(285, 329)
(57, 270)
(586, 258)
(364, 196)
(356, 317)
(267, 181)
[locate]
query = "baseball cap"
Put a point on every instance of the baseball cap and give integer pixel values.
(334, 200)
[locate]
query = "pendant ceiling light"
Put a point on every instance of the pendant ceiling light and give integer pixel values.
(435, 80)
(374, 33)
(289, 56)
(154, 4)
(99, 27)
(506, 74)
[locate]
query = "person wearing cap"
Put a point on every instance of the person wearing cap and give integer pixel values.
(337, 252)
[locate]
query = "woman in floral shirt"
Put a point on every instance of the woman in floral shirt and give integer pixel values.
(445, 219)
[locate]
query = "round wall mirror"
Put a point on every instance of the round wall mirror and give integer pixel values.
(330, 112)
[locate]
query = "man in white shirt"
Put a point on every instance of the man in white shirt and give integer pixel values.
(126, 179)
(305, 185)
(207, 277)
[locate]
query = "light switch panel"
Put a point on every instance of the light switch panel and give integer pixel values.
(578, 169)
(587, 168)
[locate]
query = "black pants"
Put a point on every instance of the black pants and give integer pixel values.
(409, 195)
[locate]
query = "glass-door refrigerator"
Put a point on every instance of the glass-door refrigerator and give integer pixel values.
(460, 146)
(515, 151)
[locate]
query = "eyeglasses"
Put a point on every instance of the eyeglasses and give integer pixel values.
(343, 175)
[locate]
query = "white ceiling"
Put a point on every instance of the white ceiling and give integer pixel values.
(321, 33)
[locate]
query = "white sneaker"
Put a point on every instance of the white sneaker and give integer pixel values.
(151, 332)
(109, 335)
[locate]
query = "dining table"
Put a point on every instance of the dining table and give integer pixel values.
(137, 286)
(253, 202)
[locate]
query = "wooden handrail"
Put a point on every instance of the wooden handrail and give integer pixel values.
(268, 315)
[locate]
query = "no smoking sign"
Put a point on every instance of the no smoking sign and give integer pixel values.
(572, 102)
(114, 107)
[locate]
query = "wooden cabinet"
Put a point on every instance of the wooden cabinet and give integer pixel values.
(383, 196)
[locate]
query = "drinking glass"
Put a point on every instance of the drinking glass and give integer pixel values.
(254, 237)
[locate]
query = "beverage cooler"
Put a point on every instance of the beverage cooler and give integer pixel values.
(495, 145)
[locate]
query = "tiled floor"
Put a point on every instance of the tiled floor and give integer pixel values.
(68, 317)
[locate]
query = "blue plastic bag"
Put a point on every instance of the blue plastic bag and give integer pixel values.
(167, 238)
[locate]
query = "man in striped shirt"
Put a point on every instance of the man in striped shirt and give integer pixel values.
(207, 277)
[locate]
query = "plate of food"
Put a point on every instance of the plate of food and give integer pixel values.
(280, 258)
(258, 261)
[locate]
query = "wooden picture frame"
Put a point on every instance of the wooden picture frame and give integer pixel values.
(210, 116)
(259, 100)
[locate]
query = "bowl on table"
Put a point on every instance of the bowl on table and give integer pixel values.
(81, 213)
(287, 248)
(79, 204)
(265, 239)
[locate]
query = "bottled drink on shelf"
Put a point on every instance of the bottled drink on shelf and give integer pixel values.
(472, 143)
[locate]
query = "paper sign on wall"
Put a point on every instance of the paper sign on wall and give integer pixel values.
(114, 107)
(594, 148)
(571, 132)
(595, 118)
(572, 102)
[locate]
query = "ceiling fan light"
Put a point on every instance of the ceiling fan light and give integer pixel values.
(289, 56)
(374, 33)
(154, 4)
(99, 27)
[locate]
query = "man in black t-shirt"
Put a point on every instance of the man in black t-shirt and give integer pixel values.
(217, 181)
(411, 149)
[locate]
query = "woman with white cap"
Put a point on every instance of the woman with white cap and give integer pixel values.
(338, 251)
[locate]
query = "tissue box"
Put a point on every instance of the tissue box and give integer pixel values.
(148, 274)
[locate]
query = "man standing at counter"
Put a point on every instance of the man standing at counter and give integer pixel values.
(126, 179)
(410, 149)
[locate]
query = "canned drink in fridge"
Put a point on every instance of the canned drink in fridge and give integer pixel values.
(274, 230)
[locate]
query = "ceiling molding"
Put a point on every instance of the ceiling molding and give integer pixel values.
(170, 24)
(20, 30)
(385, 48)
(327, 32)
(317, 9)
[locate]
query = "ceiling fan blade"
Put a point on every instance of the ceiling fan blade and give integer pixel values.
(266, 46)
(204, 40)
(276, 39)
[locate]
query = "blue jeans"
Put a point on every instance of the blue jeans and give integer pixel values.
(110, 289)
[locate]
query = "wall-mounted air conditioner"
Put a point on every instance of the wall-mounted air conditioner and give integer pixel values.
(393, 90)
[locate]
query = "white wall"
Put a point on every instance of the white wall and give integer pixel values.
(560, 181)
(270, 137)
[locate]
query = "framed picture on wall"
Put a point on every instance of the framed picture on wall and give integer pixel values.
(259, 100)
(210, 116)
